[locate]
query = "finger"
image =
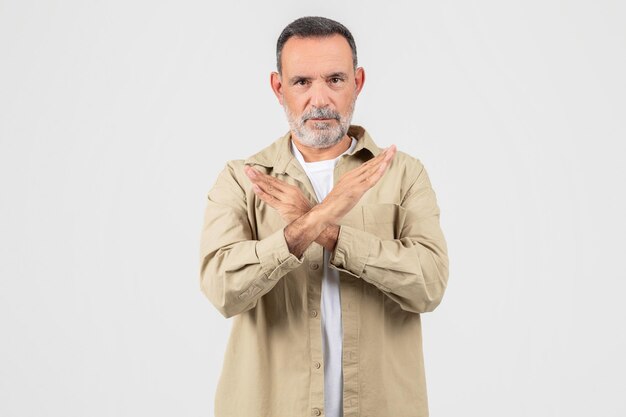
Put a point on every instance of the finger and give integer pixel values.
(271, 182)
(387, 161)
(372, 169)
(374, 173)
(251, 173)
(374, 178)
(269, 188)
(371, 165)
(359, 172)
(267, 183)
(254, 174)
(375, 160)
(268, 198)
(263, 187)
(389, 153)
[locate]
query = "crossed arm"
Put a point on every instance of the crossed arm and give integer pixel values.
(308, 224)
(236, 270)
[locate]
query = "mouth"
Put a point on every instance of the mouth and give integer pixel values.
(321, 119)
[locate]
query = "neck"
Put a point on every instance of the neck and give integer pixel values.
(311, 154)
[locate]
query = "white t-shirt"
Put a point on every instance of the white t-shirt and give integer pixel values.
(321, 175)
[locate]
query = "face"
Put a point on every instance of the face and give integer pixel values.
(318, 88)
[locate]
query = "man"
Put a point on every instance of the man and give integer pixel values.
(325, 250)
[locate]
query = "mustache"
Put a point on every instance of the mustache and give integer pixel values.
(323, 113)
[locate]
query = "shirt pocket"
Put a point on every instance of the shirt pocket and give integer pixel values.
(381, 219)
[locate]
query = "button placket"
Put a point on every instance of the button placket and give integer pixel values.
(315, 258)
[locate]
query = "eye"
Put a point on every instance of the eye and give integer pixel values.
(300, 81)
(338, 80)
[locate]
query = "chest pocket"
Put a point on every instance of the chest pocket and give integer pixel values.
(381, 220)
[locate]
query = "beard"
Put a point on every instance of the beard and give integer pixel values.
(320, 133)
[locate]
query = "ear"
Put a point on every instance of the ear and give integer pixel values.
(277, 86)
(359, 79)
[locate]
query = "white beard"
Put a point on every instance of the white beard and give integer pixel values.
(323, 133)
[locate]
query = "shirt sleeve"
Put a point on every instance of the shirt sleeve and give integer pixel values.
(235, 269)
(413, 269)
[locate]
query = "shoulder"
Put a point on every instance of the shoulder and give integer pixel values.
(233, 172)
(406, 165)
(230, 187)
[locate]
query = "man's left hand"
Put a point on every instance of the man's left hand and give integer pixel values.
(286, 198)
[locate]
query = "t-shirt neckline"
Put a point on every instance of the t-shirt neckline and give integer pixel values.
(323, 164)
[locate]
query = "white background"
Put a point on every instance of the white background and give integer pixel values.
(116, 116)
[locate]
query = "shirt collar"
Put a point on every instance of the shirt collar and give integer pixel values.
(278, 155)
(332, 161)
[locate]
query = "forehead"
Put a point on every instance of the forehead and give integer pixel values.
(304, 56)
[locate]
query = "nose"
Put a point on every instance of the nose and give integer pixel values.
(319, 97)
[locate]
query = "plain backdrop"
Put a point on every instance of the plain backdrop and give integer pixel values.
(116, 116)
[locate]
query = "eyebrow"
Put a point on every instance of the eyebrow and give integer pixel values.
(302, 77)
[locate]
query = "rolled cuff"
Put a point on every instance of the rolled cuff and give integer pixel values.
(351, 250)
(274, 255)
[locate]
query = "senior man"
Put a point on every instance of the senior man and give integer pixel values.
(325, 249)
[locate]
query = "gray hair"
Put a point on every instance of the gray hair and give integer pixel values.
(310, 27)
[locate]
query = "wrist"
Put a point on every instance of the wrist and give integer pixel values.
(322, 215)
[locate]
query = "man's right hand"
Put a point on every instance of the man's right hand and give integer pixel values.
(353, 184)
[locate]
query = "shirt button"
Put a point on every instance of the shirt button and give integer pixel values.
(313, 313)
(317, 412)
(317, 364)
(314, 266)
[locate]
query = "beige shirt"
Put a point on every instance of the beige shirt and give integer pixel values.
(393, 265)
